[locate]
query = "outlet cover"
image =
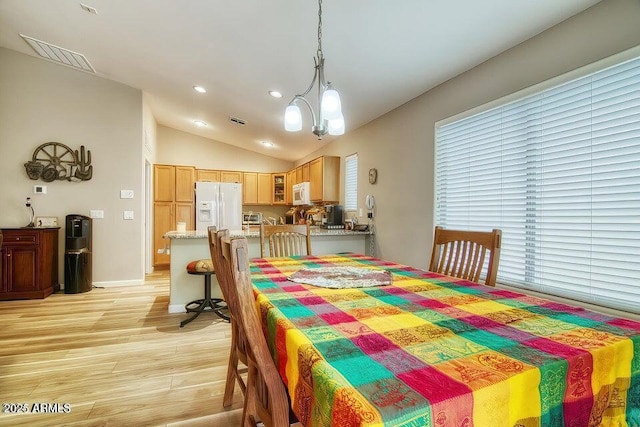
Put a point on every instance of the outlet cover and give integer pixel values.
(127, 215)
(98, 214)
(126, 194)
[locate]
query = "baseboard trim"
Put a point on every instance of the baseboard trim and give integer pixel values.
(177, 308)
(114, 284)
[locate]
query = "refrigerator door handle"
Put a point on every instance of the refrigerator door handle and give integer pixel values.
(223, 223)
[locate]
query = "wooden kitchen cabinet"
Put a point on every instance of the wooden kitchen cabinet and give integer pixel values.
(164, 220)
(207, 175)
(265, 196)
(279, 188)
(250, 188)
(291, 176)
(306, 172)
(174, 201)
(298, 175)
(28, 263)
(185, 182)
(256, 188)
(324, 176)
(230, 176)
(164, 183)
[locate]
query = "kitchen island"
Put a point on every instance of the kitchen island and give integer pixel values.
(192, 245)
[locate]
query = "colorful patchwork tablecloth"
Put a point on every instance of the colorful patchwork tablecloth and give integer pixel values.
(430, 350)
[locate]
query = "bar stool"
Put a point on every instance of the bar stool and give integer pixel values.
(204, 267)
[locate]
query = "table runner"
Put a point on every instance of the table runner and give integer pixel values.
(431, 350)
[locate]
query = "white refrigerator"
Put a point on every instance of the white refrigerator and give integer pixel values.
(219, 204)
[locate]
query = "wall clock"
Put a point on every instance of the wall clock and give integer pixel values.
(373, 175)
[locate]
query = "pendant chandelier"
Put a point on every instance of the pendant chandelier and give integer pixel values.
(329, 118)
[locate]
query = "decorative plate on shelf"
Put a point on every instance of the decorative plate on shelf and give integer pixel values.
(342, 277)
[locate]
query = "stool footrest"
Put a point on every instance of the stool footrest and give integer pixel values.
(215, 305)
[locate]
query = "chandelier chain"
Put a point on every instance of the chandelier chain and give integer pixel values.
(319, 28)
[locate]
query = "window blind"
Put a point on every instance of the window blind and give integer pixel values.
(351, 183)
(559, 172)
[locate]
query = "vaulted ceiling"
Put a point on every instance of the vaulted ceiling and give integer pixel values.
(379, 53)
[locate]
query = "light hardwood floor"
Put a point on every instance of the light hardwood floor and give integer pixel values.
(117, 357)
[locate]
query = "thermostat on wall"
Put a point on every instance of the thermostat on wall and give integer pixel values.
(39, 189)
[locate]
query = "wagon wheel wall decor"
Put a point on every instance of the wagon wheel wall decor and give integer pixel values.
(54, 160)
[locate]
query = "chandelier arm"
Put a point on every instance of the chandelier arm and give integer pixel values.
(302, 98)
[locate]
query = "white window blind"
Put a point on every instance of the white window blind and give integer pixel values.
(351, 182)
(559, 172)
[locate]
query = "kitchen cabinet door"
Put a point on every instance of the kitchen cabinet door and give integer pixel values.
(164, 183)
(185, 179)
(163, 221)
(306, 172)
(29, 260)
(291, 176)
(185, 213)
(279, 188)
(265, 196)
(325, 179)
(250, 188)
(207, 175)
(230, 176)
(298, 174)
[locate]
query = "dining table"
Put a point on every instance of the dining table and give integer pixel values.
(360, 341)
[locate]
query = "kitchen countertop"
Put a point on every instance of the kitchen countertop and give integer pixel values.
(315, 231)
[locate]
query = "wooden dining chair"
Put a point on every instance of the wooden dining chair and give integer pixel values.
(285, 240)
(237, 352)
(266, 398)
(462, 254)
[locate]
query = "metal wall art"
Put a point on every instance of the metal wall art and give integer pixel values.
(54, 160)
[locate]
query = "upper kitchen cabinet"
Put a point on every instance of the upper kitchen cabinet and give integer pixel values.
(306, 172)
(185, 182)
(230, 176)
(164, 183)
(256, 188)
(279, 188)
(173, 183)
(324, 176)
(207, 175)
(291, 178)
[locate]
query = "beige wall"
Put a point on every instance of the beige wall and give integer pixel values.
(41, 102)
(400, 144)
(181, 148)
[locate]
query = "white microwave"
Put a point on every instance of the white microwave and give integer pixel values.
(301, 194)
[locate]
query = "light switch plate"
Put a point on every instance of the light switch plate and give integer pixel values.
(98, 214)
(126, 194)
(127, 215)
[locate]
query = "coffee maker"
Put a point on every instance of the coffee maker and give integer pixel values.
(334, 216)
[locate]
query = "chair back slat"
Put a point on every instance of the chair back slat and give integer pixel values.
(463, 254)
(285, 240)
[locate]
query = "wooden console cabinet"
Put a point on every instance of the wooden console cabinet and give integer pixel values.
(28, 263)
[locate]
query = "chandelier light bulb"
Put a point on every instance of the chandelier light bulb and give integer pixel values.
(336, 126)
(331, 106)
(292, 118)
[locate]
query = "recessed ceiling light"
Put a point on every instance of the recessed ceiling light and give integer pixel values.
(200, 123)
(199, 89)
(267, 144)
(275, 94)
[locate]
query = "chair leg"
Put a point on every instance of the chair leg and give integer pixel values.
(232, 368)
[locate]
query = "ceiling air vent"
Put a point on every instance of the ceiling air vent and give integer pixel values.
(237, 121)
(59, 54)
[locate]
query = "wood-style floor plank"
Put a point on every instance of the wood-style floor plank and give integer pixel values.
(117, 357)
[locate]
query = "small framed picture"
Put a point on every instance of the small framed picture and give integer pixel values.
(46, 221)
